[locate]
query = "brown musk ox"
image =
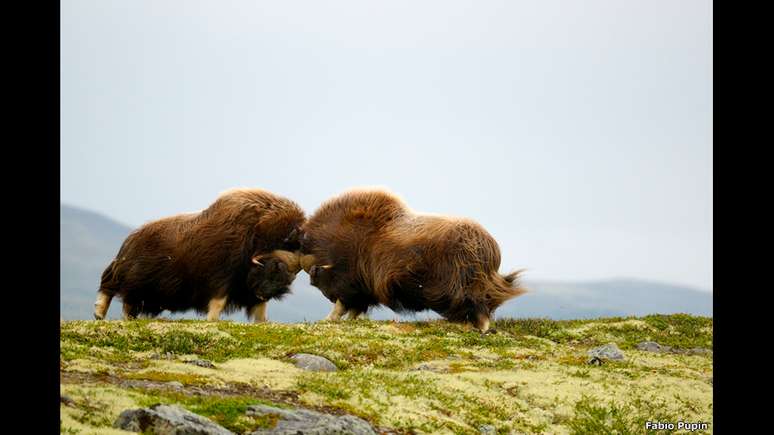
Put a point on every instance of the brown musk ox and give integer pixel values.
(237, 253)
(366, 247)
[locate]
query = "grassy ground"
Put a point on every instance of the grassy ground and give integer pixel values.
(407, 377)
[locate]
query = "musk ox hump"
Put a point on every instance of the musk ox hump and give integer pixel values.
(361, 205)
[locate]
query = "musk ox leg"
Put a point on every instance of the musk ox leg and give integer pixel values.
(353, 313)
(482, 323)
(101, 305)
(337, 311)
(130, 311)
(214, 308)
(258, 312)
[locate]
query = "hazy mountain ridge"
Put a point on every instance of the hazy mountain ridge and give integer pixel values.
(89, 241)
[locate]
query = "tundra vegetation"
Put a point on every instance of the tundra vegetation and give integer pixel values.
(533, 376)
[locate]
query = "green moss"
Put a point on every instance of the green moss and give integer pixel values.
(594, 417)
(681, 331)
(526, 378)
(229, 412)
(153, 375)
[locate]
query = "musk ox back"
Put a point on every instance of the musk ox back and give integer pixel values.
(234, 254)
(366, 247)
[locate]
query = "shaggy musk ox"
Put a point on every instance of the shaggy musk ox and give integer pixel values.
(234, 254)
(366, 247)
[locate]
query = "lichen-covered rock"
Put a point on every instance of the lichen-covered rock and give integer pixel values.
(308, 422)
(607, 352)
(431, 367)
(487, 429)
(313, 363)
(652, 346)
(201, 363)
(66, 400)
(175, 384)
(167, 420)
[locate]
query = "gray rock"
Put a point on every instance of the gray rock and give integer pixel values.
(167, 355)
(607, 352)
(167, 420)
(487, 429)
(430, 368)
(308, 422)
(652, 346)
(313, 363)
(66, 400)
(201, 363)
(175, 384)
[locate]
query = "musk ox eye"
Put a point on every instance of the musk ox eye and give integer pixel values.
(306, 243)
(293, 236)
(291, 242)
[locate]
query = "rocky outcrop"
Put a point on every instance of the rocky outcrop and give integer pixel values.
(652, 346)
(167, 420)
(308, 422)
(174, 420)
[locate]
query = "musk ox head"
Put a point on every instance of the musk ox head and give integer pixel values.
(271, 274)
(306, 250)
(320, 272)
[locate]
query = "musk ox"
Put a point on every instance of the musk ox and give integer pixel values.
(366, 247)
(237, 253)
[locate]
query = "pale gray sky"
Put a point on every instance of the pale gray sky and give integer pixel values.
(578, 133)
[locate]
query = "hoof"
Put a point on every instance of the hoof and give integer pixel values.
(98, 317)
(489, 331)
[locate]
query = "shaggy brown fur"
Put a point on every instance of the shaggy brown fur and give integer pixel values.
(366, 247)
(234, 254)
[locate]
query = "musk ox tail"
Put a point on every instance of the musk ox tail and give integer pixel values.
(508, 286)
(107, 289)
(108, 283)
(513, 279)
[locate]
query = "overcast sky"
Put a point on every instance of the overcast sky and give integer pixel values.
(578, 133)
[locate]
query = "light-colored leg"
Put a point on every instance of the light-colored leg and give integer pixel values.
(353, 314)
(102, 305)
(337, 311)
(482, 322)
(258, 312)
(127, 310)
(215, 307)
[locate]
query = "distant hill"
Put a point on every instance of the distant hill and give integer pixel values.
(89, 241)
(615, 297)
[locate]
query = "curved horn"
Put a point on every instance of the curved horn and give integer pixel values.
(289, 258)
(257, 260)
